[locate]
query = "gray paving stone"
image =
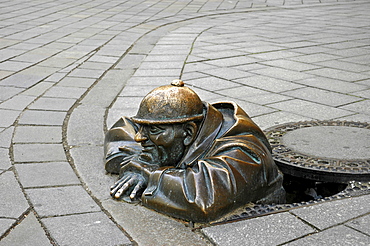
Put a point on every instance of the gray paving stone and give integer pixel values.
(345, 66)
(322, 96)
(332, 84)
(362, 107)
(87, 73)
(38, 89)
(89, 165)
(38, 134)
(61, 201)
(4, 159)
(335, 212)
(155, 58)
(211, 83)
(14, 65)
(241, 92)
(57, 62)
(76, 82)
(46, 174)
(38, 152)
(28, 232)
(18, 102)
(5, 224)
(361, 224)
(85, 126)
(148, 227)
(57, 104)
(277, 118)
(35, 117)
(357, 117)
(275, 55)
(85, 229)
(6, 136)
(12, 203)
(309, 109)
(148, 81)
(283, 74)
(65, 92)
(265, 99)
(8, 117)
(339, 74)
(267, 230)
(7, 92)
(22, 80)
(268, 83)
(364, 59)
(363, 94)
(158, 72)
(286, 64)
(130, 61)
(339, 235)
(227, 73)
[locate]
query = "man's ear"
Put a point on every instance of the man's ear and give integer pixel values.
(191, 130)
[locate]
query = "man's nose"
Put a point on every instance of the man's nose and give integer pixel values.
(140, 136)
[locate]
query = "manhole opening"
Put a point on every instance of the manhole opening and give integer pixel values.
(304, 190)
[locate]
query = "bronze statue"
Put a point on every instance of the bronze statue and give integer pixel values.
(190, 159)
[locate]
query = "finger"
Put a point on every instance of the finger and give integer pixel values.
(119, 185)
(122, 190)
(119, 182)
(138, 186)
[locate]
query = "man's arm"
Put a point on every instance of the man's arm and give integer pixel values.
(119, 145)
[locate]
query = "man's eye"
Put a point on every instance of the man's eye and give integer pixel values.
(155, 130)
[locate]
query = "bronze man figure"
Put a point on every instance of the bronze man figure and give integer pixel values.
(190, 159)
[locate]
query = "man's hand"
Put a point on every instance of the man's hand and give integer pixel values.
(131, 184)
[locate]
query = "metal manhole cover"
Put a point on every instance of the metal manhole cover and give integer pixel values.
(329, 151)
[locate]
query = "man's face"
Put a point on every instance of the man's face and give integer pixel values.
(162, 144)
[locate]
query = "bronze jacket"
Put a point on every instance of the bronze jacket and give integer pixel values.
(228, 166)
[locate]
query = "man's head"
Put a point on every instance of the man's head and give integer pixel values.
(168, 120)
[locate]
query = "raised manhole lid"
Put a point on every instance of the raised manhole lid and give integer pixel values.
(329, 151)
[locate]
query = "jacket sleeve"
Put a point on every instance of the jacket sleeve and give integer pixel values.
(119, 145)
(232, 174)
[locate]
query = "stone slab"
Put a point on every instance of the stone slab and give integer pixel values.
(5, 224)
(361, 224)
(61, 201)
(29, 232)
(38, 152)
(35, 117)
(57, 104)
(267, 230)
(12, 203)
(339, 235)
(5, 137)
(148, 227)
(46, 174)
(38, 134)
(4, 159)
(8, 117)
(85, 229)
(334, 212)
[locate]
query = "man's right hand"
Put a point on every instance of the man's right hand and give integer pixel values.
(131, 184)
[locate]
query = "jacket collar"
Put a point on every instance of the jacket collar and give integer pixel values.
(207, 133)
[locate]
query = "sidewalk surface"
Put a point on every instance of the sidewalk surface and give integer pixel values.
(70, 69)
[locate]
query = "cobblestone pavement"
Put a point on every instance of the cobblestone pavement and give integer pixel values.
(69, 69)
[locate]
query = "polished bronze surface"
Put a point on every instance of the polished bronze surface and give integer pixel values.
(190, 159)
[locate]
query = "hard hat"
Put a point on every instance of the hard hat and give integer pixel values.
(168, 104)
